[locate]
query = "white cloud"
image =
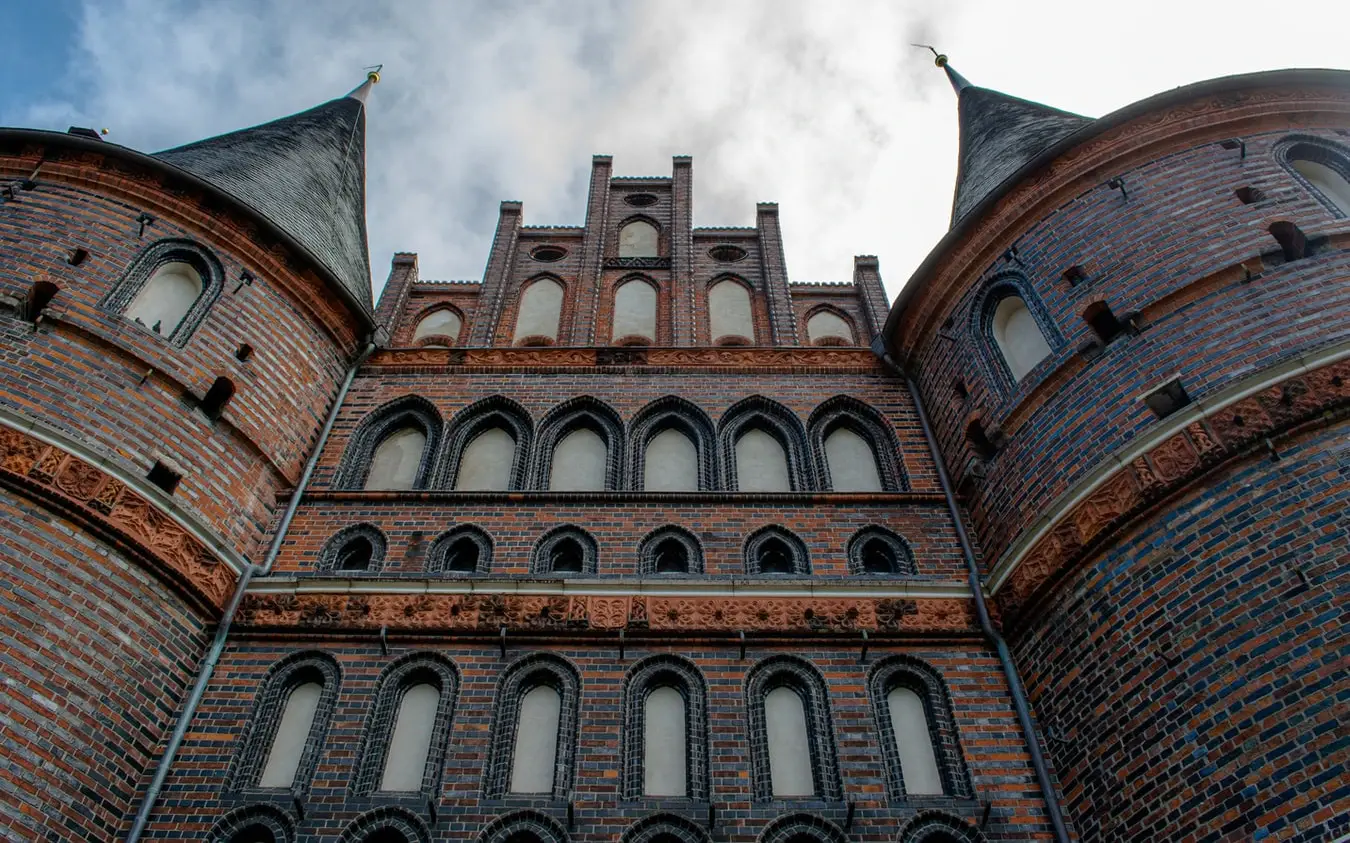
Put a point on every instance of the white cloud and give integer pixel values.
(822, 107)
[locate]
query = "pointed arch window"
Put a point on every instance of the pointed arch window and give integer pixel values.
(670, 550)
(463, 550)
(168, 289)
(791, 735)
(665, 737)
(826, 327)
(672, 448)
(405, 737)
(393, 448)
(851, 462)
(635, 307)
(287, 727)
(579, 464)
(671, 463)
(876, 550)
(918, 733)
(1018, 337)
(487, 462)
(761, 463)
(539, 313)
(639, 239)
(356, 549)
(731, 317)
(488, 447)
(1321, 166)
(763, 447)
(439, 328)
(856, 448)
(395, 463)
(534, 730)
(580, 447)
(565, 550)
(774, 550)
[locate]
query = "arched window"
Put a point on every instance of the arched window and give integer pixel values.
(487, 462)
(851, 463)
(670, 550)
(286, 729)
(665, 738)
(253, 824)
(634, 311)
(396, 460)
(918, 733)
(826, 327)
(665, 828)
(387, 825)
(358, 548)
(791, 737)
(463, 550)
(534, 731)
(1323, 168)
(540, 312)
(565, 550)
(730, 315)
(405, 738)
(671, 448)
(802, 828)
(443, 325)
(580, 447)
(774, 550)
(579, 462)
(393, 448)
(1018, 337)
(938, 827)
(524, 827)
(488, 448)
(761, 463)
(639, 239)
(876, 550)
(168, 289)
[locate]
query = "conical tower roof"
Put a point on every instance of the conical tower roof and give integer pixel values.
(306, 174)
(999, 135)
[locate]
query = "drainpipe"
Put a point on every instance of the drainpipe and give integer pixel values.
(982, 609)
(227, 619)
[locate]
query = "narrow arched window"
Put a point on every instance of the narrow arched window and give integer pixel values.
(729, 312)
(634, 311)
(396, 460)
(761, 463)
(671, 557)
(410, 743)
(825, 327)
(663, 726)
(442, 324)
(774, 557)
(580, 462)
(540, 311)
(789, 743)
(878, 557)
(487, 462)
(670, 463)
(1328, 181)
(166, 297)
(853, 466)
(773, 550)
(565, 550)
(462, 556)
(670, 550)
(536, 749)
(1018, 337)
(288, 743)
(567, 556)
(356, 555)
(913, 743)
(638, 239)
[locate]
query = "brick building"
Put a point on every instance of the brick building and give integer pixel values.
(636, 539)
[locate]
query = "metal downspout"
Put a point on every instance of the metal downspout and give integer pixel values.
(223, 627)
(982, 611)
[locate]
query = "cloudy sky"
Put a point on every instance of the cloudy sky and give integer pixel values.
(821, 106)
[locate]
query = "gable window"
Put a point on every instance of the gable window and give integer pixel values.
(286, 730)
(405, 737)
(638, 239)
(825, 327)
(1018, 337)
(540, 313)
(919, 739)
(635, 304)
(791, 737)
(534, 730)
(168, 289)
(442, 326)
(730, 317)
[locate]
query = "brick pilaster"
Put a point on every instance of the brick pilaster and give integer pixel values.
(582, 329)
(402, 276)
(871, 295)
(782, 324)
(682, 251)
(496, 275)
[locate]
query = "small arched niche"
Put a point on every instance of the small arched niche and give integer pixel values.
(635, 304)
(730, 315)
(442, 324)
(166, 297)
(1017, 335)
(639, 239)
(540, 311)
(826, 327)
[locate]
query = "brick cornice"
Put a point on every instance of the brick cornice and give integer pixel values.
(91, 496)
(718, 359)
(1234, 425)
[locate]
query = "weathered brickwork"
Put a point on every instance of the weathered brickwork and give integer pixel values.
(97, 654)
(986, 730)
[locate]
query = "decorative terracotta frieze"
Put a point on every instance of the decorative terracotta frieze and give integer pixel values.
(108, 508)
(718, 358)
(1168, 468)
(429, 612)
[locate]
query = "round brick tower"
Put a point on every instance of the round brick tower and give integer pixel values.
(175, 328)
(1134, 345)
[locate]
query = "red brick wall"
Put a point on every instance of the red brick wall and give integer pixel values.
(97, 655)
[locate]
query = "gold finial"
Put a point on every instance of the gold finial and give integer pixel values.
(373, 73)
(939, 59)
(103, 131)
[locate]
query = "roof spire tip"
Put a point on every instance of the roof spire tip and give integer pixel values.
(362, 91)
(959, 82)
